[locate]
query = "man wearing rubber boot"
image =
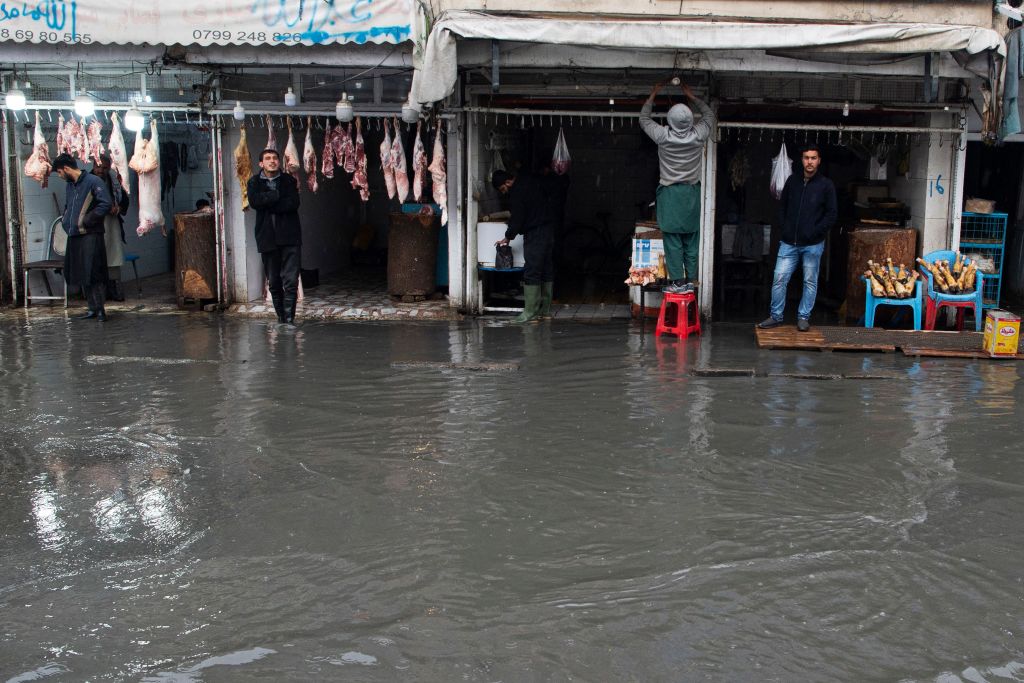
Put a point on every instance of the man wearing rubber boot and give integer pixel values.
(680, 150)
(275, 196)
(86, 205)
(532, 216)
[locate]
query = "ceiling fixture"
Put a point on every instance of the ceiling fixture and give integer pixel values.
(133, 119)
(846, 108)
(15, 99)
(343, 110)
(238, 111)
(289, 98)
(84, 106)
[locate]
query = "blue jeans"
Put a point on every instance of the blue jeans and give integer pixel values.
(785, 264)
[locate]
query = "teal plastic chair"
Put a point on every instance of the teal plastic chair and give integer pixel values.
(916, 303)
(132, 258)
(937, 299)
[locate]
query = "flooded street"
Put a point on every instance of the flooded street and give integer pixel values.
(188, 498)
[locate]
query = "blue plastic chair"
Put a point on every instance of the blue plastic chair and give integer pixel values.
(872, 302)
(937, 298)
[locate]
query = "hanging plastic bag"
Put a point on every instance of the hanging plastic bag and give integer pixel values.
(560, 160)
(782, 168)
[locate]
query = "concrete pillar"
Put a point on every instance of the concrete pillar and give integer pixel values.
(243, 260)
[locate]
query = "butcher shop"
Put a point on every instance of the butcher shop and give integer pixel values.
(551, 102)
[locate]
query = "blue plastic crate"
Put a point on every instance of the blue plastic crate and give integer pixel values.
(983, 228)
(990, 292)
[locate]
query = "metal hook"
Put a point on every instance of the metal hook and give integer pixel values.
(49, 116)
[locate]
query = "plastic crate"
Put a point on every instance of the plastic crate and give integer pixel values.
(990, 292)
(990, 259)
(983, 228)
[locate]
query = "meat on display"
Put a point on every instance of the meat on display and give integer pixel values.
(439, 175)
(419, 164)
(398, 163)
(385, 161)
(95, 140)
(360, 181)
(327, 157)
(291, 155)
(243, 167)
(118, 153)
(146, 162)
(309, 158)
(38, 166)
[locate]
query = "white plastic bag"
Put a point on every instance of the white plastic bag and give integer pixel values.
(560, 160)
(782, 168)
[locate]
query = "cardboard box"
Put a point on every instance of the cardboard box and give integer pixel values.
(1002, 333)
(646, 252)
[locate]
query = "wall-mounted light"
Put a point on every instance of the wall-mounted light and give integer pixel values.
(343, 109)
(289, 98)
(238, 111)
(84, 106)
(409, 113)
(134, 120)
(15, 99)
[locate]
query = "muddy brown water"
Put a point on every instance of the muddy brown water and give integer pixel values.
(188, 498)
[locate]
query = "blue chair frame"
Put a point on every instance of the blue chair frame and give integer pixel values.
(871, 302)
(938, 299)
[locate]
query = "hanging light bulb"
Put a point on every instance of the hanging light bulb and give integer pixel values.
(238, 111)
(343, 110)
(846, 108)
(289, 98)
(15, 99)
(133, 119)
(409, 113)
(84, 106)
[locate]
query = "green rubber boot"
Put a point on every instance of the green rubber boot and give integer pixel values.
(547, 292)
(532, 295)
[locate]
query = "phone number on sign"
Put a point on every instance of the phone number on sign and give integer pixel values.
(45, 36)
(245, 36)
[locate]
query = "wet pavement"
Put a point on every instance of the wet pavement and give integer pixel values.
(207, 498)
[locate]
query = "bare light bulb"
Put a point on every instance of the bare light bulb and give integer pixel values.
(15, 99)
(846, 108)
(289, 98)
(84, 106)
(238, 111)
(134, 120)
(343, 109)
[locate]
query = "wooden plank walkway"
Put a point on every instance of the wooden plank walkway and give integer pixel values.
(925, 343)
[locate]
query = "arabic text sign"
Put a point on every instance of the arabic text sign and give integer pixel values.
(207, 22)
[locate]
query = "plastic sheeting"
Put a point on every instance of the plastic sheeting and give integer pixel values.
(437, 71)
(201, 22)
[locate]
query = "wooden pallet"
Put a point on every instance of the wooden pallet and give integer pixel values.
(945, 353)
(786, 337)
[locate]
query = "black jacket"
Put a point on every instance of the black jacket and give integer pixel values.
(86, 205)
(807, 210)
(277, 211)
(535, 202)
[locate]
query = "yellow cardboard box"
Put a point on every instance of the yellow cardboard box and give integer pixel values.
(1002, 330)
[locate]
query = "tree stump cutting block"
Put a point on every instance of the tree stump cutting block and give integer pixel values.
(195, 254)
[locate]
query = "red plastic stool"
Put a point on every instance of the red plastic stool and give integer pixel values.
(678, 315)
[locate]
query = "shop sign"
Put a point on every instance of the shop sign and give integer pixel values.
(207, 22)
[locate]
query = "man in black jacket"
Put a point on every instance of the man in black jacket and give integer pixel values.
(807, 212)
(534, 205)
(275, 196)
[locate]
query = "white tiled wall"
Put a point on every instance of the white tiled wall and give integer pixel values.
(154, 250)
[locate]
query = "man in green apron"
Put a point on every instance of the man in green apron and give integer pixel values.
(680, 151)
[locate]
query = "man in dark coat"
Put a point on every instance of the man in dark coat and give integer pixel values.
(275, 196)
(114, 225)
(807, 211)
(533, 207)
(87, 203)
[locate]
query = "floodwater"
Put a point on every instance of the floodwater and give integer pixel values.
(189, 499)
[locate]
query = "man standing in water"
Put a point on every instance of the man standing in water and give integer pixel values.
(807, 211)
(86, 205)
(533, 205)
(275, 196)
(680, 150)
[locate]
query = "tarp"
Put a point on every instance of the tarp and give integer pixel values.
(207, 22)
(436, 72)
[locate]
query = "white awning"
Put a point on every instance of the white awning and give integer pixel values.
(200, 22)
(437, 72)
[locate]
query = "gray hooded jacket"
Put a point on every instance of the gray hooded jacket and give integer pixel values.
(681, 142)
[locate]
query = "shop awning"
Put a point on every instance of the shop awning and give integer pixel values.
(437, 72)
(200, 22)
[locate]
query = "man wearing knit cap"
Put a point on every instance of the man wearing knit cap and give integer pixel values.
(680, 150)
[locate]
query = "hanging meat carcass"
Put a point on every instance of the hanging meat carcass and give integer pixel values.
(243, 167)
(95, 140)
(349, 161)
(419, 164)
(74, 138)
(327, 158)
(271, 137)
(62, 143)
(399, 165)
(38, 166)
(146, 162)
(309, 158)
(338, 145)
(118, 153)
(439, 175)
(359, 179)
(385, 161)
(291, 154)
